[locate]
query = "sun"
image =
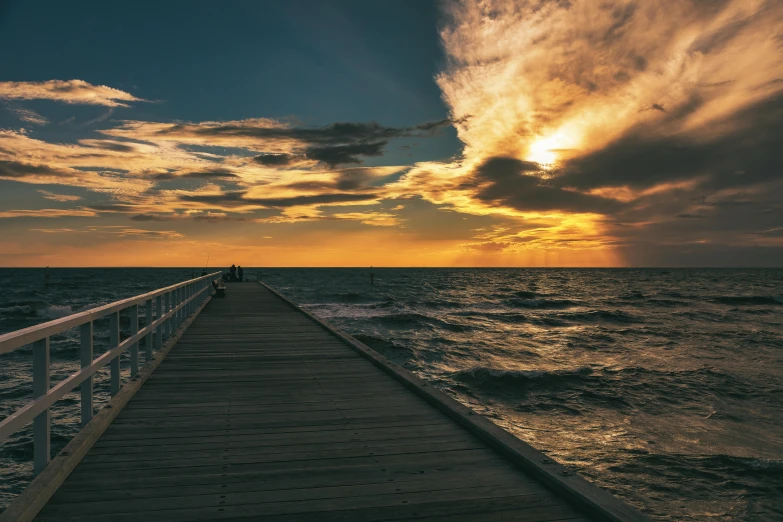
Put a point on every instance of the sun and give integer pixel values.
(544, 151)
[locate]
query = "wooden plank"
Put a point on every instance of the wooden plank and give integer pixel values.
(271, 439)
(303, 480)
(99, 463)
(247, 448)
(495, 485)
(110, 436)
(379, 462)
(273, 503)
(381, 469)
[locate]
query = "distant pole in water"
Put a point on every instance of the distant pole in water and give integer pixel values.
(372, 278)
(46, 277)
(204, 272)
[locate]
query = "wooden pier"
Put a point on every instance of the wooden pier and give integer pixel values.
(261, 412)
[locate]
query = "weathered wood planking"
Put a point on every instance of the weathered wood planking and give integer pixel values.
(260, 413)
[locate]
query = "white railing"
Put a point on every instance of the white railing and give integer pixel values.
(172, 306)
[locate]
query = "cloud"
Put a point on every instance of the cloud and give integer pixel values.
(116, 231)
(376, 219)
(274, 160)
(743, 155)
(28, 115)
(280, 142)
(586, 114)
(115, 146)
(48, 213)
(15, 169)
(56, 230)
(509, 182)
(147, 234)
(67, 91)
(206, 174)
(342, 154)
(238, 199)
(537, 76)
(209, 216)
(58, 197)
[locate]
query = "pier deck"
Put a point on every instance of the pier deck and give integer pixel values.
(260, 413)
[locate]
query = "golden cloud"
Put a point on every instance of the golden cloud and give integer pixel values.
(67, 91)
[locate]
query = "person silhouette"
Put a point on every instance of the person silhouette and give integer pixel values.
(241, 273)
(233, 272)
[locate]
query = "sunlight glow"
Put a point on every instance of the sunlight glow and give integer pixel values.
(544, 151)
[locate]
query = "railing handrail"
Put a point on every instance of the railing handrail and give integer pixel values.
(166, 310)
(25, 336)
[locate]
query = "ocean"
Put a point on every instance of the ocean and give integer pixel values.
(664, 386)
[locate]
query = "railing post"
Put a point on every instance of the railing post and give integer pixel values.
(167, 310)
(175, 315)
(114, 341)
(180, 311)
(134, 348)
(41, 438)
(159, 332)
(148, 337)
(85, 332)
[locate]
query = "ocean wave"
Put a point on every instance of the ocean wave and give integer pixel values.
(409, 319)
(633, 295)
(350, 297)
(729, 466)
(541, 303)
(749, 300)
(55, 311)
(381, 345)
(666, 302)
(592, 316)
(18, 311)
(503, 317)
(485, 375)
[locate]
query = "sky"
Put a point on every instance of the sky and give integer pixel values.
(406, 133)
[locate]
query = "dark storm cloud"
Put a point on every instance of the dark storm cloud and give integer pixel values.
(719, 38)
(238, 199)
(18, 170)
(343, 154)
(749, 153)
(335, 144)
(153, 217)
(274, 160)
(114, 207)
(217, 173)
(621, 15)
(110, 145)
(508, 182)
(329, 135)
